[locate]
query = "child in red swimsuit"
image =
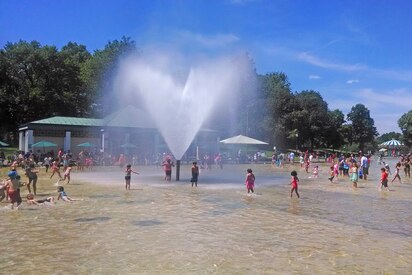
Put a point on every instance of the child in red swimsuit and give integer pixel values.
(294, 183)
(384, 179)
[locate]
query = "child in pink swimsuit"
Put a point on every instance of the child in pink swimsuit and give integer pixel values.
(250, 181)
(294, 183)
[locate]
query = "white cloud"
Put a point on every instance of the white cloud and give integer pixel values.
(393, 74)
(313, 76)
(326, 64)
(211, 41)
(351, 81)
(393, 99)
(311, 59)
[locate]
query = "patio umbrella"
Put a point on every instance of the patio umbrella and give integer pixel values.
(383, 150)
(393, 143)
(44, 143)
(3, 144)
(86, 144)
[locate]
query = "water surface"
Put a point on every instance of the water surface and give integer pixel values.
(160, 227)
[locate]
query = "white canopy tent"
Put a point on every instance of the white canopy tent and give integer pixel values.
(240, 139)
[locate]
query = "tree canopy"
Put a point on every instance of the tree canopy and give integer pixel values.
(39, 81)
(405, 123)
(363, 126)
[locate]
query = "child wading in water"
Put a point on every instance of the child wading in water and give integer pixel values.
(168, 169)
(250, 181)
(384, 180)
(13, 185)
(316, 172)
(332, 174)
(56, 169)
(294, 183)
(397, 176)
(354, 175)
(67, 174)
(195, 174)
(128, 175)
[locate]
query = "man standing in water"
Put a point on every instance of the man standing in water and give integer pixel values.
(365, 166)
(195, 174)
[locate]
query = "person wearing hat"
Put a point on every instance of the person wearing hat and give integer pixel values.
(14, 184)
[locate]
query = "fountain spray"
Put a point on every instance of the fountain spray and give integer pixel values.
(180, 108)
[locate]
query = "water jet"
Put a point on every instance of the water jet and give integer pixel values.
(180, 105)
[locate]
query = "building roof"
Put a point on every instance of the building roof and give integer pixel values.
(72, 121)
(126, 117)
(129, 117)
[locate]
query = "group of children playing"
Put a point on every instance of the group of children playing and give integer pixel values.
(168, 173)
(10, 187)
(250, 182)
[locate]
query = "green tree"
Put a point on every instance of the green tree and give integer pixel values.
(37, 83)
(334, 131)
(363, 126)
(405, 123)
(280, 103)
(75, 54)
(311, 118)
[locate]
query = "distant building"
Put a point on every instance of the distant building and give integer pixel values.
(129, 130)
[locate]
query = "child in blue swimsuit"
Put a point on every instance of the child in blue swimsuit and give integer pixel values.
(63, 195)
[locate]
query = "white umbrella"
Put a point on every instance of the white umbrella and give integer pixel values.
(383, 150)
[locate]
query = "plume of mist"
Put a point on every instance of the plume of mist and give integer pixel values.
(179, 94)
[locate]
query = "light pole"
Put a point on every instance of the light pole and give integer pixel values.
(102, 136)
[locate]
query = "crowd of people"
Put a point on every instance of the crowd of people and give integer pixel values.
(350, 167)
(341, 168)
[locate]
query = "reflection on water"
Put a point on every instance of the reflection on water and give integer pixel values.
(94, 219)
(147, 222)
(215, 228)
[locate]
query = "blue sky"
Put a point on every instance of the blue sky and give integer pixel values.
(350, 51)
